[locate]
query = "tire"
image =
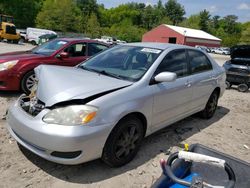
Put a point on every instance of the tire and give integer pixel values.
(33, 43)
(15, 41)
(228, 84)
(28, 82)
(211, 106)
(243, 87)
(123, 142)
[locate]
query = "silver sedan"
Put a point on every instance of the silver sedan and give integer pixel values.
(104, 107)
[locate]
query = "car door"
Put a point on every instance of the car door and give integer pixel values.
(172, 99)
(203, 78)
(77, 53)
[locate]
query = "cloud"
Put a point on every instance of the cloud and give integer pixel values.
(212, 9)
(243, 6)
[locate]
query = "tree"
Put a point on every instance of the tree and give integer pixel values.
(215, 21)
(204, 20)
(230, 24)
(192, 22)
(174, 11)
(61, 15)
(23, 11)
(87, 7)
(245, 34)
(126, 31)
(93, 28)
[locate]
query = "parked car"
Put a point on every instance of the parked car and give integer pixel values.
(223, 51)
(107, 105)
(33, 34)
(17, 68)
(45, 38)
(203, 48)
(238, 68)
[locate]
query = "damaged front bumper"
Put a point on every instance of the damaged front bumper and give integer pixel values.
(57, 143)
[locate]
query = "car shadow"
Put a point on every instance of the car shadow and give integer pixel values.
(157, 143)
(10, 94)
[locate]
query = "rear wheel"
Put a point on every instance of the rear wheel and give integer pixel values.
(28, 82)
(211, 106)
(33, 42)
(124, 142)
(15, 41)
(243, 87)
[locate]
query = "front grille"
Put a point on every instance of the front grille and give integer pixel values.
(32, 106)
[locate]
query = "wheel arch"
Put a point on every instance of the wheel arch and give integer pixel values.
(217, 90)
(140, 116)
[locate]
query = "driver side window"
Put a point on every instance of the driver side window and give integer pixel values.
(176, 62)
(76, 50)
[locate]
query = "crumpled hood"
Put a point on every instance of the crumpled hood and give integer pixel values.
(58, 84)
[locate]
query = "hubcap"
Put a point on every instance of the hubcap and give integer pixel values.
(127, 142)
(31, 80)
(213, 104)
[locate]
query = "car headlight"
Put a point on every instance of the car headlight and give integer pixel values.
(71, 115)
(8, 65)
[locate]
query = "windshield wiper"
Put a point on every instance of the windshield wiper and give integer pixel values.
(109, 74)
(101, 72)
(88, 69)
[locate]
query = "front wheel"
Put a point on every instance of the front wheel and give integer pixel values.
(243, 87)
(28, 82)
(124, 142)
(228, 85)
(211, 106)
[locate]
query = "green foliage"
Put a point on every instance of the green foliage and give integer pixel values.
(61, 15)
(174, 11)
(204, 20)
(126, 31)
(23, 11)
(245, 35)
(93, 28)
(192, 22)
(87, 7)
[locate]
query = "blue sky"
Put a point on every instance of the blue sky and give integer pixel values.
(240, 8)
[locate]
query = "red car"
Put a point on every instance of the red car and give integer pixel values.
(16, 68)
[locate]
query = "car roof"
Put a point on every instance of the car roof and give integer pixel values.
(78, 39)
(158, 45)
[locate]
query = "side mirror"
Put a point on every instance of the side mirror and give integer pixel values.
(166, 77)
(62, 55)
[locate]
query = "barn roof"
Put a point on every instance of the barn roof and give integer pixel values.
(195, 33)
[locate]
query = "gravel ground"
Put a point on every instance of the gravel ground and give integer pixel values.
(228, 131)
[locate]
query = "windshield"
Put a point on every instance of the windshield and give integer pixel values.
(123, 62)
(49, 47)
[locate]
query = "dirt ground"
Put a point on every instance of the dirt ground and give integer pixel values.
(228, 131)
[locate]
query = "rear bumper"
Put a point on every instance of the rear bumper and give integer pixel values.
(46, 139)
(9, 81)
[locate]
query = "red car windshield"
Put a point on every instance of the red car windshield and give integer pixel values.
(49, 47)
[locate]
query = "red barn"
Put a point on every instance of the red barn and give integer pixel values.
(181, 35)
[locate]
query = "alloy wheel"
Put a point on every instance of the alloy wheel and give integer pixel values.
(127, 142)
(31, 80)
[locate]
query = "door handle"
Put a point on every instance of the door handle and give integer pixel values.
(188, 84)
